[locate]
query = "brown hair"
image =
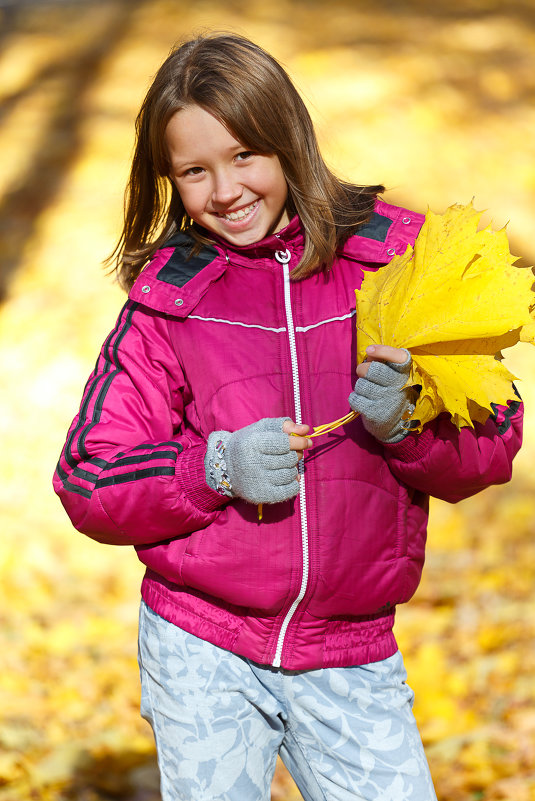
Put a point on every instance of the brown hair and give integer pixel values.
(248, 91)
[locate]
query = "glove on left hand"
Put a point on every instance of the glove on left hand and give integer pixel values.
(382, 401)
(259, 463)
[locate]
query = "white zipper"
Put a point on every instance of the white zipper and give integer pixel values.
(283, 257)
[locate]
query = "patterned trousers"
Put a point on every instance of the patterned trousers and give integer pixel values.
(219, 721)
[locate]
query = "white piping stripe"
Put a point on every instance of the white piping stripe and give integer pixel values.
(235, 322)
(303, 328)
(300, 328)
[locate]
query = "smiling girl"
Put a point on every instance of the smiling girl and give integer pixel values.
(241, 252)
(235, 193)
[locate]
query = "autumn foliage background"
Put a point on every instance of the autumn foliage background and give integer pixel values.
(433, 99)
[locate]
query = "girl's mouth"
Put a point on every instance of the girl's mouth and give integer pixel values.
(240, 214)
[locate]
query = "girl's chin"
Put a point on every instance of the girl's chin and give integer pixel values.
(249, 234)
(244, 235)
(247, 231)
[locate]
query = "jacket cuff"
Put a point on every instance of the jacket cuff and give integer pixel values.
(191, 475)
(412, 448)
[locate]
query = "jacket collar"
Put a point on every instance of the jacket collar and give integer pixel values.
(291, 237)
(173, 283)
(386, 234)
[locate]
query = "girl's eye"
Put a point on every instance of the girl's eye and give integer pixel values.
(193, 171)
(245, 154)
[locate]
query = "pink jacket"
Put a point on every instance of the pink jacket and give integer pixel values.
(220, 341)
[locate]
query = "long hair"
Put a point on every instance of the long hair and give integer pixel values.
(249, 92)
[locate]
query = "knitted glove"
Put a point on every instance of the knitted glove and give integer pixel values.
(381, 400)
(254, 463)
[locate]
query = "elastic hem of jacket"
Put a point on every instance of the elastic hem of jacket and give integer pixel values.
(412, 448)
(232, 629)
(363, 654)
(191, 476)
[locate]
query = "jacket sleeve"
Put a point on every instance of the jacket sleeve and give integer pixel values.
(130, 471)
(450, 464)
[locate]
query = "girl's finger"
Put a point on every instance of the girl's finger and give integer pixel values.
(300, 443)
(298, 440)
(289, 427)
(385, 353)
(382, 353)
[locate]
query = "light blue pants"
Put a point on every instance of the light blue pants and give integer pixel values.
(219, 721)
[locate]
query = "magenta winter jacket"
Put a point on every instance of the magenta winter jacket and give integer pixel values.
(217, 342)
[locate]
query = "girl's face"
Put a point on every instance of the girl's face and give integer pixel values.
(233, 192)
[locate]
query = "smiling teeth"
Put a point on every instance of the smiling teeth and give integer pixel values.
(241, 213)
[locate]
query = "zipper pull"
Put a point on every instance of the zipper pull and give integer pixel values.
(283, 256)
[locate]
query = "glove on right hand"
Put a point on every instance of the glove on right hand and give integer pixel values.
(257, 460)
(383, 399)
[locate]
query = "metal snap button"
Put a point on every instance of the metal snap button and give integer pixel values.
(406, 220)
(391, 251)
(179, 302)
(145, 289)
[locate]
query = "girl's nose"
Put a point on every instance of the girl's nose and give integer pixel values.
(225, 190)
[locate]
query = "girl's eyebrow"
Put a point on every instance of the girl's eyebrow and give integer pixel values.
(233, 149)
(183, 165)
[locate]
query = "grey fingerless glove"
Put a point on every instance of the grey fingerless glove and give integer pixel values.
(382, 400)
(254, 463)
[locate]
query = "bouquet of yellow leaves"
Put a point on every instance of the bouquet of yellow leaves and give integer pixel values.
(454, 301)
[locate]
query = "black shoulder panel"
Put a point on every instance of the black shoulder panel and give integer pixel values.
(376, 227)
(182, 266)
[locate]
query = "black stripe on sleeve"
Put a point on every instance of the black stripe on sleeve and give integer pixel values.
(128, 460)
(118, 332)
(113, 359)
(508, 413)
(79, 472)
(124, 478)
(107, 367)
(171, 443)
(71, 487)
(148, 457)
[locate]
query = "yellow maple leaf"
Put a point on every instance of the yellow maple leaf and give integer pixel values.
(455, 301)
(527, 334)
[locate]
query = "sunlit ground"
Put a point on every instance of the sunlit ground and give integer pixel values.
(434, 100)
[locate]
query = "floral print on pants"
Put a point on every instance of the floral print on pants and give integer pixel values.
(219, 721)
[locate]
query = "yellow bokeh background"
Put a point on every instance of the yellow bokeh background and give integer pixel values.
(434, 100)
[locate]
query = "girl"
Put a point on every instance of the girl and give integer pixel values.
(241, 252)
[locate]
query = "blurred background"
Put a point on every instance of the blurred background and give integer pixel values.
(435, 100)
